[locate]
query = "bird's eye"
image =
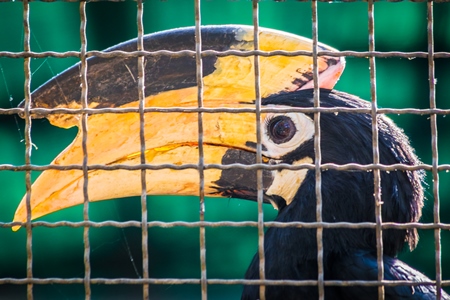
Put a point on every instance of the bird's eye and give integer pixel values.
(285, 132)
(281, 129)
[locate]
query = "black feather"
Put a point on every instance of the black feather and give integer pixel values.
(347, 196)
(362, 265)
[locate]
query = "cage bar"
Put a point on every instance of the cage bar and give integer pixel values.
(204, 281)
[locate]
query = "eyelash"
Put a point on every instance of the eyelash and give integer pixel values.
(266, 124)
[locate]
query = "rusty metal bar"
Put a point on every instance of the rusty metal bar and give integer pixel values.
(84, 134)
(317, 152)
(345, 167)
(141, 94)
(241, 53)
(173, 281)
(375, 152)
(307, 110)
(128, 224)
(28, 144)
(201, 162)
(434, 149)
(259, 172)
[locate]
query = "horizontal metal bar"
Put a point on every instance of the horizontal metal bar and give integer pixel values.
(159, 224)
(205, 53)
(307, 110)
(324, 167)
(217, 281)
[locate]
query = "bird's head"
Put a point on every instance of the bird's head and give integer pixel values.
(228, 136)
(348, 196)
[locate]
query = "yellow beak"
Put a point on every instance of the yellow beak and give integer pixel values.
(113, 140)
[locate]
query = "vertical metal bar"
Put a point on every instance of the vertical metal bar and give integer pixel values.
(375, 151)
(141, 94)
(28, 143)
(434, 149)
(201, 162)
(318, 153)
(259, 172)
(84, 130)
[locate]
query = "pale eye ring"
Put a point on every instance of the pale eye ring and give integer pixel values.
(281, 129)
(285, 132)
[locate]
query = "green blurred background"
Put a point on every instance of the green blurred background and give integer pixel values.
(174, 253)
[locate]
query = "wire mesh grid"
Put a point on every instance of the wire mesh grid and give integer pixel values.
(144, 224)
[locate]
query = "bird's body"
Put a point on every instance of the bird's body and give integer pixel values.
(354, 266)
(348, 254)
(362, 265)
(230, 138)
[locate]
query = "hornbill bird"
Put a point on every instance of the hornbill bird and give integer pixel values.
(287, 137)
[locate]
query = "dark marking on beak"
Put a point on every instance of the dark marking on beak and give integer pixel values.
(241, 183)
(253, 145)
(115, 81)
